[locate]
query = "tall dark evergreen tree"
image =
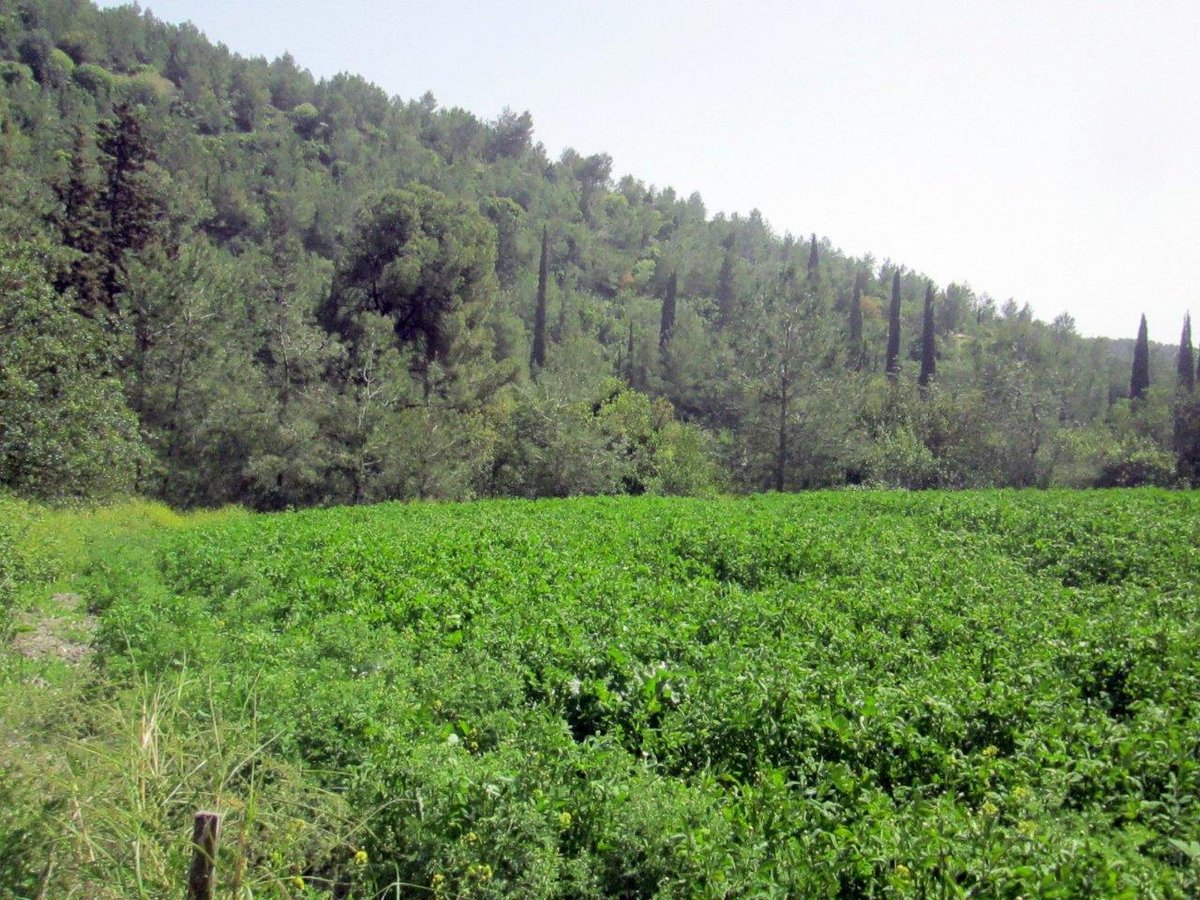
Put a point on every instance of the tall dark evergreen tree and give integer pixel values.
(893, 341)
(1186, 437)
(928, 350)
(813, 272)
(667, 326)
(725, 285)
(1186, 359)
(537, 358)
(1139, 380)
(82, 228)
(131, 203)
(857, 354)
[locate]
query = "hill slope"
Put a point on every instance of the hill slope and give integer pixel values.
(278, 291)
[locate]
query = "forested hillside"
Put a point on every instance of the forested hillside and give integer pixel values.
(224, 281)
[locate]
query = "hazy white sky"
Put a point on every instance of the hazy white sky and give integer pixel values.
(1047, 151)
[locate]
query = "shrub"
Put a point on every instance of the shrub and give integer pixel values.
(1137, 462)
(96, 80)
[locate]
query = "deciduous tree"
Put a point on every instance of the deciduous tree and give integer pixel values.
(65, 430)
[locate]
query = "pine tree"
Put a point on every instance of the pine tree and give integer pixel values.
(725, 285)
(537, 358)
(132, 204)
(667, 327)
(82, 229)
(1139, 380)
(1187, 362)
(893, 341)
(928, 355)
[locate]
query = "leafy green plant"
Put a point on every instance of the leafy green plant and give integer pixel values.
(858, 693)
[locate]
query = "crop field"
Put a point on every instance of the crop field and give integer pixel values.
(849, 694)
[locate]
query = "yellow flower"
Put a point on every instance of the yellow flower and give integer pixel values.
(564, 819)
(360, 858)
(472, 837)
(990, 751)
(298, 883)
(438, 879)
(903, 872)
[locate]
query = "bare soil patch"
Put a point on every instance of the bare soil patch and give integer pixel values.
(67, 636)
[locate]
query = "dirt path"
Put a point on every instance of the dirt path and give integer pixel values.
(64, 632)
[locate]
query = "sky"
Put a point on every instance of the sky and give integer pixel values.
(1045, 151)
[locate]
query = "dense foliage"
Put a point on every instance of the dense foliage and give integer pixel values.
(308, 292)
(834, 694)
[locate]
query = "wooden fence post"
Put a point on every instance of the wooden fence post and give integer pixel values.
(202, 877)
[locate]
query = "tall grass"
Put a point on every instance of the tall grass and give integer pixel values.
(127, 796)
(100, 777)
(102, 806)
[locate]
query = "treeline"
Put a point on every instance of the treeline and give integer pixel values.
(225, 281)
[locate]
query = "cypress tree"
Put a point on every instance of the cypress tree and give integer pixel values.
(1139, 380)
(1187, 409)
(893, 341)
(537, 358)
(667, 327)
(856, 324)
(928, 358)
(1186, 364)
(813, 272)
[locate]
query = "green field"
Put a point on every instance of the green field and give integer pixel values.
(849, 694)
